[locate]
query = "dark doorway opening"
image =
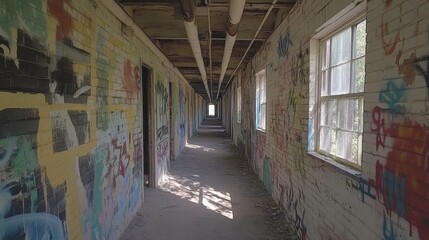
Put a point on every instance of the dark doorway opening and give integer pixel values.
(146, 78)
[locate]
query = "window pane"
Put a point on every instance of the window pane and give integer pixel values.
(340, 79)
(262, 96)
(344, 143)
(348, 114)
(328, 114)
(325, 54)
(341, 44)
(360, 40)
(262, 111)
(358, 76)
(356, 148)
(327, 140)
(325, 83)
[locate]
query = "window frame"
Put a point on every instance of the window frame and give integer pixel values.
(321, 54)
(259, 104)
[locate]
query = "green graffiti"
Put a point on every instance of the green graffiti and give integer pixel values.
(18, 155)
(28, 15)
(91, 222)
(267, 174)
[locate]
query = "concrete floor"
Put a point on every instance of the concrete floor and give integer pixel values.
(210, 193)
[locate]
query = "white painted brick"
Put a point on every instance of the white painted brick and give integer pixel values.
(391, 13)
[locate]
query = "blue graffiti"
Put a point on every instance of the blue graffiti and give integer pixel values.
(284, 44)
(365, 189)
(388, 234)
(393, 95)
(33, 225)
(394, 192)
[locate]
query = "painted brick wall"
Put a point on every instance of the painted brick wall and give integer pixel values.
(71, 120)
(389, 199)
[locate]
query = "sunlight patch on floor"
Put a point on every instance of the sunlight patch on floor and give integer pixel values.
(206, 149)
(190, 190)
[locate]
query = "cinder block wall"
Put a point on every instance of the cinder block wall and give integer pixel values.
(388, 198)
(71, 120)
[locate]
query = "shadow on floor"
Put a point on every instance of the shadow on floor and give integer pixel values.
(209, 194)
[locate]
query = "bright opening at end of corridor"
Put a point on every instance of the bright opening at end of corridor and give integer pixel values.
(211, 109)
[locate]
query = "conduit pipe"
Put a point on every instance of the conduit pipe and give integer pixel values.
(250, 45)
(210, 50)
(236, 8)
(194, 41)
(122, 16)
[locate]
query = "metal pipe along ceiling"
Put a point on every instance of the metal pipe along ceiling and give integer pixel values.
(194, 41)
(236, 8)
(250, 45)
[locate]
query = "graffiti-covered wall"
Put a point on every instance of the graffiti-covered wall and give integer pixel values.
(179, 101)
(71, 157)
(387, 198)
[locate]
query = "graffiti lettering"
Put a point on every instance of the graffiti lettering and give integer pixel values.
(161, 108)
(57, 9)
(420, 69)
(162, 151)
(389, 46)
(365, 189)
(406, 68)
(284, 44)
(381, 130)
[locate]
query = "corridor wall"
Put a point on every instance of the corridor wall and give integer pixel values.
(387, 196)
(71, 134)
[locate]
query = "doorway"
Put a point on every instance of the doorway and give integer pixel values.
(148, 155)
(212, 112)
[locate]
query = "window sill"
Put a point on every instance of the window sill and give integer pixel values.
(261, 130)
(344, 169)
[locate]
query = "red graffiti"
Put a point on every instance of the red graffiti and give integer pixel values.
(131, 80)
(390, 46)
(380, 129)
(388, 3)
(56, 9)
(118, 160)
(404, 181)
(406, 67)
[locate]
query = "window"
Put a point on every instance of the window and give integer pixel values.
(211, 109)
(239, 104)
(261, 101)
(340, 94)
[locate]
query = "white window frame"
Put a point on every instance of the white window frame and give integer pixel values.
(261, 99)
(359, 96)
(239, 104)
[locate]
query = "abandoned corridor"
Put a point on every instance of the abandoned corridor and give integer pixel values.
(104, 118)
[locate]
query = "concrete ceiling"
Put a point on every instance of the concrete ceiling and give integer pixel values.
(162, 21)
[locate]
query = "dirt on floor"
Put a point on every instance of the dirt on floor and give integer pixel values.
(210, 193)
